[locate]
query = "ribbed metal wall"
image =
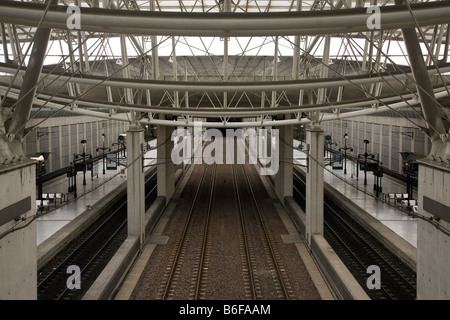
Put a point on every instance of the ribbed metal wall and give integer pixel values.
(63, 141)
(386, 141)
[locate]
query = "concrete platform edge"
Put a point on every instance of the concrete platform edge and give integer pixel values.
(392, 241)
(337, 273)
(295, 213)
(51, 246)
(116, 270)
(338, 276)
(405, 251)
(113, 273)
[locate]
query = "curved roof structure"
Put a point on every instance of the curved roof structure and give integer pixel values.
(253, 62)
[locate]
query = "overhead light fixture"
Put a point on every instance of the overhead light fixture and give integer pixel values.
(38, 158)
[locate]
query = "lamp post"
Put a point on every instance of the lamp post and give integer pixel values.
(366, 142)
(377, 176)
(103, 148)
(345, 152)
(121, 142)
(365, 155)
(83, 143)
(73, 176)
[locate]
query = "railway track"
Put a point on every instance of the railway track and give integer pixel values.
(190, 252)
(359, 250)
(89, 253)
(265, 276)
(190, 268)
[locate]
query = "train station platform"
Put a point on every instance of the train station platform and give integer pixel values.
(95, 190)
(382, 208)
(103, 186)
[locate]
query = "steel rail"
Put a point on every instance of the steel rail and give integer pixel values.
(353, 254)
(244, 234)
(205, 234)
(266, 233)
(183, 237)
(361, 238)
(375, 250)
(88, 238)
(96, 255)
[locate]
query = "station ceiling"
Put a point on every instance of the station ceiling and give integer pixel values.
(254, 75)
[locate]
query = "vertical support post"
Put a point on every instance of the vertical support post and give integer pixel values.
(186, 93)
(176, 101)
(165, 166)
(135, 183)
(12, 41)
(324, 68)
(274, 73)
(108, 88)
(296, 58)
(74, 89)
(4, 43)
(447, 41)
(284, 176)
(263, 93)
(225, 69)
(126, 72)
(227, 8)
(321, 93)
(314, 182)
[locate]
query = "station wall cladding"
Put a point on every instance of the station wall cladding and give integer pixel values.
(388, 136)
(61, 137)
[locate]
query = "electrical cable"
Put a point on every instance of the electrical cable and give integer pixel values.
(28, 49)
(408, 77)
(84, 93)
(361, 89)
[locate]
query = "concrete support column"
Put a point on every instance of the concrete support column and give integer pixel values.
(433, 239)
(166, 169)
(284, 176)
(18, 254)
(314, 183)
(135, 183)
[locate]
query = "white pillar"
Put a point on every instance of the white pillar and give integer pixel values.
(433, 243)
(18, 249)
(314, 183)
(166, 170)
(135, 183)
(284, 176)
